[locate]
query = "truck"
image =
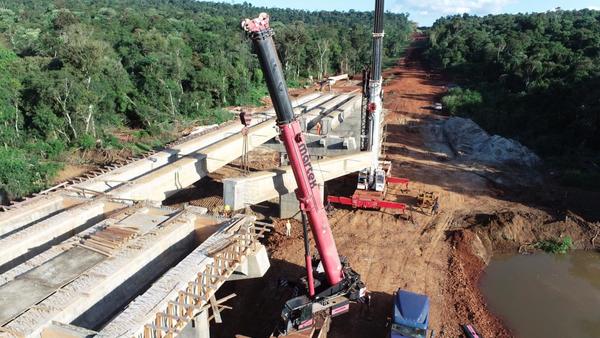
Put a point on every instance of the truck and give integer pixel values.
(411, 316)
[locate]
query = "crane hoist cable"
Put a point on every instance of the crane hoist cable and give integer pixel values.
(246, 120)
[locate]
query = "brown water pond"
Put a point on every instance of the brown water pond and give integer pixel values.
(546, 296)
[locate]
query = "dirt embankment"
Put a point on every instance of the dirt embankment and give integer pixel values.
(442, 255)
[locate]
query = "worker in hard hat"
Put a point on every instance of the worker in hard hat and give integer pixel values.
(227, 210)
(288, 228)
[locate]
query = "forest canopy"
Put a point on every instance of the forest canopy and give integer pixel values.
(74, 72)
(534, 77)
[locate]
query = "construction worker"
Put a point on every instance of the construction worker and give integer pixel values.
(436, 207)
(227, 210)
(366, 306)
(288, 228)
(318, 127)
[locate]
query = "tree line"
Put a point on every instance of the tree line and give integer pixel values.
(534, 77)
(75, 73)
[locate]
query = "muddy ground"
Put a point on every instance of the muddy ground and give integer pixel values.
(440, 255)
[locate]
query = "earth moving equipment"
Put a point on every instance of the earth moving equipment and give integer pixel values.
(373, 181)
(411, 316)
(332, 285)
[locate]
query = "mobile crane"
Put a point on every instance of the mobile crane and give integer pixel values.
(372, 182)
(332, 285)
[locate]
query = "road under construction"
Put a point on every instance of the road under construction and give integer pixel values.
(104, 257)
(190, 240)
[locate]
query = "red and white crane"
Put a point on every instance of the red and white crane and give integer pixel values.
(332, 285)
(373, 181)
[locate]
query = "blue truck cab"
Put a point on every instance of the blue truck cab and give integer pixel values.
(411, 316)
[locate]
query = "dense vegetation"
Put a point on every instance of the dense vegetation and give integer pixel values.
(75, 73)
(534, 77)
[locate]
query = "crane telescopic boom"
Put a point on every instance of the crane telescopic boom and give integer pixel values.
(331, 291)
(308, 193)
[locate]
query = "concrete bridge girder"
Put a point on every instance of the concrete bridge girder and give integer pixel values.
(166, 181)
(34, 238)
(266, 185)
(335, 118)
(310, 119)
(43, 206)
(155, 186)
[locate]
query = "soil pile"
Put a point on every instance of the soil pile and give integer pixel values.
(469, 140)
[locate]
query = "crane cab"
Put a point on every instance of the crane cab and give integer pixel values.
(297, 315)
(363, 180)
(380, 180)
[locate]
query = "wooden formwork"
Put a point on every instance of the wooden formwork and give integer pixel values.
(199, 295)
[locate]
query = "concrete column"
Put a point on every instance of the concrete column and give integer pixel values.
(199, 327)
(290, 207)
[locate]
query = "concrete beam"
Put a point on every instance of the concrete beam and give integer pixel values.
(329, 144)
(36, 237)
(101, 280)
(155, 186)
(266, 185)
(322, 145)
(335, 118)
(20, 217)
(310, 118)
(144, 166)
(194, 280)
(41, 207)
(166, 181)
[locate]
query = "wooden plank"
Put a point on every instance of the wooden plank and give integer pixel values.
(102, 252)
(216, 311)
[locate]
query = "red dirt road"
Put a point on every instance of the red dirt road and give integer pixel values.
(442, 255)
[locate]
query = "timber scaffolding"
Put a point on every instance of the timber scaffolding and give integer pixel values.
(75, 259)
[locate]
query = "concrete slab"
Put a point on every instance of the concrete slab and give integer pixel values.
(26, 290)
(92, 286)
(143, 221)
